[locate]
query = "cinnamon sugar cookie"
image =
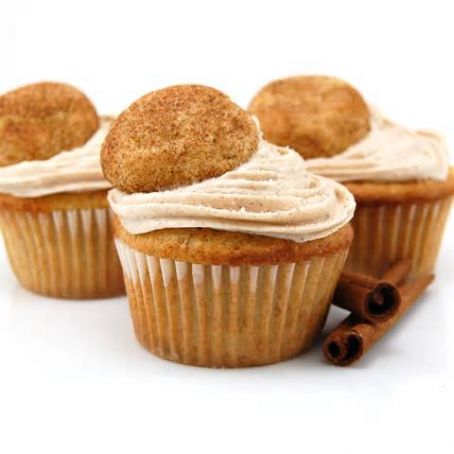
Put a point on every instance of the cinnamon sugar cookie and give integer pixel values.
(39, 120)
(315, 115)
(177, 136)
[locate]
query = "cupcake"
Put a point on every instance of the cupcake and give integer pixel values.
(230, 248)
(400, 178)
(54, 214)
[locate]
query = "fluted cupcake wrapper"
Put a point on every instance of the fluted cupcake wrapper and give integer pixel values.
(225, 316)
(65, 254)
(388, 232)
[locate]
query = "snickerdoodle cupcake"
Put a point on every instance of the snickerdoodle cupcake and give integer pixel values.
(54, 214)
(230, 249)
(400, 178)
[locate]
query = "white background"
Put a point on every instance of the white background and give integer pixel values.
(72, 377)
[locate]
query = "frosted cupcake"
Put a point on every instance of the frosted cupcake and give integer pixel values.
(400, 178)
(230, 249)
(54, 214)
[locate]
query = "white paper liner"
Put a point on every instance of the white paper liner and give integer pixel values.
(224, 316)
(66, 254)
(389, 232)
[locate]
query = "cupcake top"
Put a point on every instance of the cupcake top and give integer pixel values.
(267, 192)
(50, 140)
(388, 153)
(330, 124)
(317, 116)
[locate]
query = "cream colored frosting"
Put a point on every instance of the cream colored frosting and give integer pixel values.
(388, 153)
(77, 170)
(272, 194)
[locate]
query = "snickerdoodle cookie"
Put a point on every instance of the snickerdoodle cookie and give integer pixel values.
(177, 136)
(317, 116)
(39, 120)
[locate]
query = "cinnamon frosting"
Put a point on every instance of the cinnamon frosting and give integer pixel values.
(272, 194)
(388, 153)
(77, 170)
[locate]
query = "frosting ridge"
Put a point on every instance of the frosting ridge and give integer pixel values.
(388, 153)
(272, 194)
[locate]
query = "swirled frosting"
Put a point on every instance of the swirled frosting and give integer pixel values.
(272, 194)
(77, 170)
(388, 153)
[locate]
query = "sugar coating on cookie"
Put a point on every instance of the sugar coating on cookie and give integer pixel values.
(315, 115)
(40, 120)
(177, 136)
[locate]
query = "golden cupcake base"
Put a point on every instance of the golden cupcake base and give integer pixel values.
(387, 232)
(62, 253)
(228, 316)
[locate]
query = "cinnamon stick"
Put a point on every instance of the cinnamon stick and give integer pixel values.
(354, 337)
(398, 272)
(371, 299)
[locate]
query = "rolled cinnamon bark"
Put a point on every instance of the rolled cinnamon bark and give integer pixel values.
(354, 337)
(374, 300)
(397, 274)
